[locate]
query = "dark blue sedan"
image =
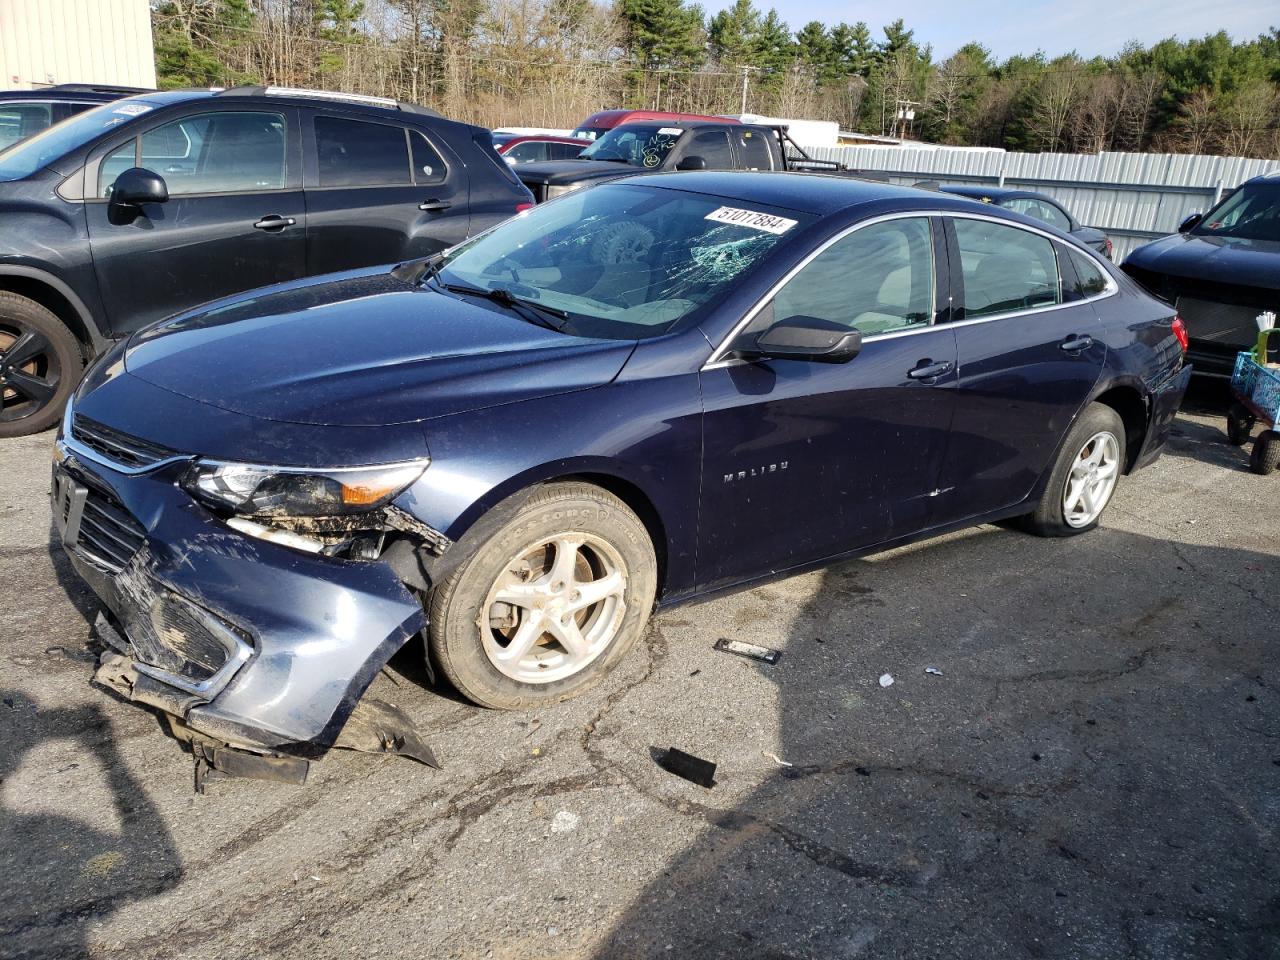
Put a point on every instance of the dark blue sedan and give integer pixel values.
(635, 395)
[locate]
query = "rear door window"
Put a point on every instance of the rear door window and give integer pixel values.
(528, 152)
(355, 153)
(754, 150)
(1090, 281)
(1006, 269)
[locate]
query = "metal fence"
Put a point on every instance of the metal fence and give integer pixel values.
(1134, 197)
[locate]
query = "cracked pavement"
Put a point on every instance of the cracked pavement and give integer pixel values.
(1094, 774)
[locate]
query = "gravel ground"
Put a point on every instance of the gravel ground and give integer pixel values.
(1095, 773)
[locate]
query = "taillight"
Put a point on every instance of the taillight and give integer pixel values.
(522, 207)
(1180, 331)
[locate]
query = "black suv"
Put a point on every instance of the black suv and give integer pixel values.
(143, 207)
(24, 113)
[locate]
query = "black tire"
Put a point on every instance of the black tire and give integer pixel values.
(1239, 424)
(1049, 518)
(35, 385)
(1265, 457)
(459, 610)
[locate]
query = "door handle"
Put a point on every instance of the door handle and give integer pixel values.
(274, 222)
(928, 371)
(1074, 344)
(434, 205)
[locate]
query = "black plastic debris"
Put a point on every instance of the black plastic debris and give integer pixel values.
(378, 727)
(691, 768)
(752, 651)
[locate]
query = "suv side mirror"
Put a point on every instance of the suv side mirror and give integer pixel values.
(808, 338)
(692, 162)
(137, 186)
(1190, 222)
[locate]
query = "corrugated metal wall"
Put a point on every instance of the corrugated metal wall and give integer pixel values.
(1135, 197)
(44, 42)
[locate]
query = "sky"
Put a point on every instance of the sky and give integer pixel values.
(1007, 27)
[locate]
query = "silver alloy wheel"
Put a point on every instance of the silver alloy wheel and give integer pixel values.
(1092, 480)
(555, 608)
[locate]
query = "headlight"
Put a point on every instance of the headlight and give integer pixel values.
(560, 189)
(298, 491)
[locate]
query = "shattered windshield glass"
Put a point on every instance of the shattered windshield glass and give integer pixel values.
(643, 145)
(620, 261)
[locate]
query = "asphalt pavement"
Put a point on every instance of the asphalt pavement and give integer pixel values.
(1093, 771)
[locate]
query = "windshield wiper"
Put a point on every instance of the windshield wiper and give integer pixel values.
(550, 317)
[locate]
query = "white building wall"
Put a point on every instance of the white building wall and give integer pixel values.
(43, 42)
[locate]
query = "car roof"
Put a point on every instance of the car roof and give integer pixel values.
(616, 117)
(286, 95)
(805, 192)
(543, 138)
(994, 194)
(75, 93)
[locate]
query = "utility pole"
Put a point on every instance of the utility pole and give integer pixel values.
(903, 114)
(745, 72)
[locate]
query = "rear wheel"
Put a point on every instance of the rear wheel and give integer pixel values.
(549, 603)
(1084, 477)
(40, 363)
(1239, 424)
(1265, 457)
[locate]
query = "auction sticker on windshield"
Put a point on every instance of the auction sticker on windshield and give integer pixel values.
(752, 219)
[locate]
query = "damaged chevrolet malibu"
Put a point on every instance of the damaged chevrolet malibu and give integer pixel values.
(633, 396)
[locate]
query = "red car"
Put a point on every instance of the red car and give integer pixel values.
(598, 124)
(516, 149)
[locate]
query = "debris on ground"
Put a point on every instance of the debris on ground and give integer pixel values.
(933, 671)
(886, 679)
(691, 768)
(752, 651)
(378, 727)
(776, 759)
(564, 822)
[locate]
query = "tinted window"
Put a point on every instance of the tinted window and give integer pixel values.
(1090, 280)
(1040, 210)
(1005, 268)
(352, 153)
(877, 279)
(713, 147)
(753, 149)
(1252, 212)
(20, 120)
(230, 152)
(428, 165)
(624, 261)
(565, 151)
(528, 152)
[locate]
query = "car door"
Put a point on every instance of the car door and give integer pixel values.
(379, 192)
(805, 460)
(234, 219)
(712, 145)
(1029, 353)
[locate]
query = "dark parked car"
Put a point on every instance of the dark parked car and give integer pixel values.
(24, 113)
(659, 147)
(637, 394)
(1220, 270)
(1038, 207)
(139, 208)
(535, 148)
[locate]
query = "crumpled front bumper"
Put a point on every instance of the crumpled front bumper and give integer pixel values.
(250, 643)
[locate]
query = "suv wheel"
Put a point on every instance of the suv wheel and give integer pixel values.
(1084, 476)
(546, 606)
(40, 364)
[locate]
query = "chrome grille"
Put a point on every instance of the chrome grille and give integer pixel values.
(109, 536)
(115, 445)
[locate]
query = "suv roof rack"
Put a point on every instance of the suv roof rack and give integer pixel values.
(96, 88)
(385, 102)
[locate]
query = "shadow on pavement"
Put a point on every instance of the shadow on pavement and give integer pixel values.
(60, 875)
(1096, 773)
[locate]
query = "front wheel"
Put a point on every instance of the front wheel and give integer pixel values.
(546, 606)
(1084, 477)
(40, 363)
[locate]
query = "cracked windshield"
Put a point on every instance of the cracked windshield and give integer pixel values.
(619, 262)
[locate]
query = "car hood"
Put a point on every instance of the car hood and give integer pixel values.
(363, 351)
(573, 171)
(1254, 263)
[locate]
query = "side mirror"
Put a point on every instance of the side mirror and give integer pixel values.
(137, 186)
(693, 162)
(808, 338)
(1190, 222)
